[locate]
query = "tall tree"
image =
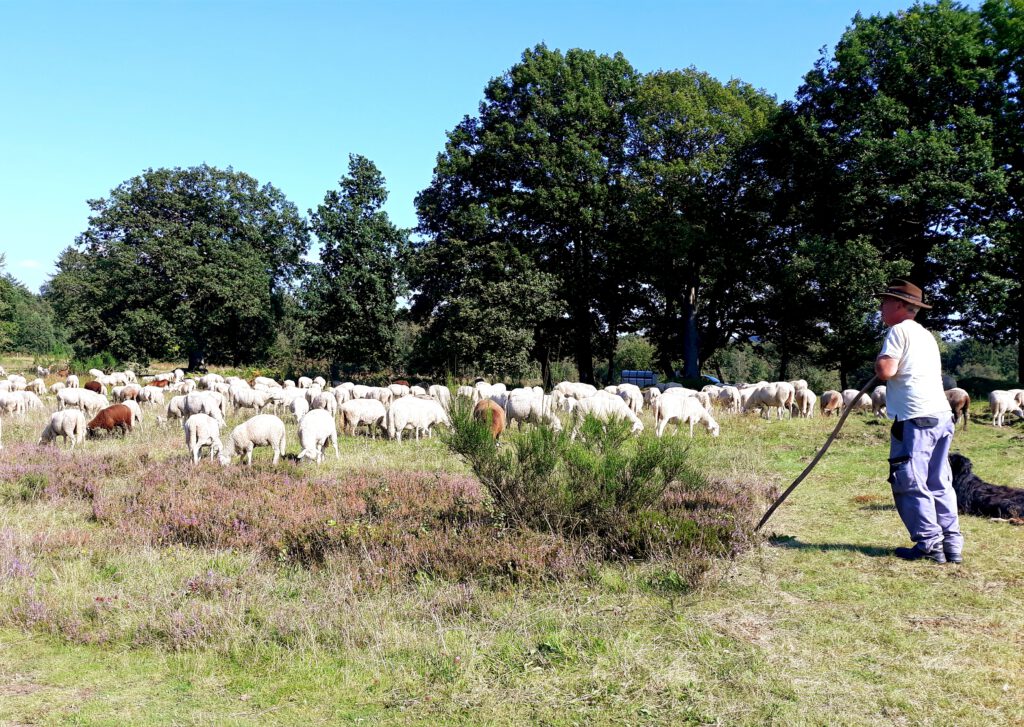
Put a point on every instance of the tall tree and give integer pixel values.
(180, 262)
(903, 115)
(695, 224)
(540, 170)
(351, 297)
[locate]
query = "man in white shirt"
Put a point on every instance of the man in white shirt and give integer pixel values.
(919, 472)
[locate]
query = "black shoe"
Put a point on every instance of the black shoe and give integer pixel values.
(915, 553)
(954, 557)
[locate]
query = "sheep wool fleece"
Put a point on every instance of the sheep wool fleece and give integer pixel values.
(919, 471)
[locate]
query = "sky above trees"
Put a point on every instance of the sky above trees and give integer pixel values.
(96, 93)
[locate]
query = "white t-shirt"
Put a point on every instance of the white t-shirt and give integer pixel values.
(916, 389)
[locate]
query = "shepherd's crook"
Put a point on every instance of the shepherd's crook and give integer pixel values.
(828, 442)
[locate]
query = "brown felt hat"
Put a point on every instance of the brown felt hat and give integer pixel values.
(905, 291)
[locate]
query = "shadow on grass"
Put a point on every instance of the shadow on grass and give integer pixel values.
(789, 541)
(877, 507)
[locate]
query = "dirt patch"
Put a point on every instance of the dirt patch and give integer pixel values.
(20, 689)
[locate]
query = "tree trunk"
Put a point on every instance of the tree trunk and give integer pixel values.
(842, 376)
(691, 356)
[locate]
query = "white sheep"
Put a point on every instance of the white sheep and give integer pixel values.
(682, 410)
(202, 430)
(778, 394)
(633, 396)
(262, 430)
(443, 395)
(420, 414)
(69, 423)
(242, 398)
(363, 411)
(151, 395)
(326, 401)
(89, 401)
(861, 404)
(316, 430)
(524, 405)
(1001, 403)
(136, 412)
(11, 403)
(72, 381)
(604, 408)
(299, 406)
(804, 400)
(878, 401)
(211, 403)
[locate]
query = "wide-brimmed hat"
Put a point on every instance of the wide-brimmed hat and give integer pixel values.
(905, 291)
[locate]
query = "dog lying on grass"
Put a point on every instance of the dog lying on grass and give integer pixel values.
(977, 497)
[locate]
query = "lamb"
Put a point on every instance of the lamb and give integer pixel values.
(1001, 403)
(262, 430)
(69, 424)
(202, 430)
(831, 401)
(493, 416)
(117, 416)
(605, 408)
(878, 402)
(363, 411)
(316, 430)
(411, 411)
(804, 399)
(960, 402)
(682, 410)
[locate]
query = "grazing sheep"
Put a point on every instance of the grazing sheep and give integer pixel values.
(779, 395)
(605, 408)
(117, 416)
(492, 415)
(71, 381)
(357, 412)
(1001, 403)
(524, 405)
(443, 395)
(11, 403)
(861, 404)
(136, 412)
(69, 424)
(128, 391)
(325, 401)
(88, 401)
(831, 402)
(804, 400)
(202, 430)
(151, 395)
(729, 398)
(299, 407)
(242, 398)
(878, 402)
(262, 430)
(316, 430)
(682, 410)
(960, 402)
(36, 386)
(30, 400)
(411, 411)
(95, 387)
(305, 382)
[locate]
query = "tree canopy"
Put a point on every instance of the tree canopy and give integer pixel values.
(181, 262)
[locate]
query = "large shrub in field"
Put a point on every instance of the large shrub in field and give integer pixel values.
(605, 484)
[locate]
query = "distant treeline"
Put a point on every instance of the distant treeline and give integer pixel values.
(585, 201)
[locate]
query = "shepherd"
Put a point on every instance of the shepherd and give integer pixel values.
(922, 430)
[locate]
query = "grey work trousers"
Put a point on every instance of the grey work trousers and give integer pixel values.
(922, 482)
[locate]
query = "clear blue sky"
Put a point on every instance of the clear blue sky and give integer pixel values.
(93, 93)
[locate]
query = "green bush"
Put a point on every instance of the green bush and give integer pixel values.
(606, 484)
(104, 361)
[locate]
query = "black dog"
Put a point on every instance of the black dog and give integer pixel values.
(974, 496)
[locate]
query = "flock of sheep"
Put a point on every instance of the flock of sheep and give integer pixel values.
(116, 401)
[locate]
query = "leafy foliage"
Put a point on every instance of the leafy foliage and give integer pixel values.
(350, 298)
(180, 262)
(27, 323)
(604, 485)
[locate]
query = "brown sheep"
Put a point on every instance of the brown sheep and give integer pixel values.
(117, 415)
(960, 402)
(159, 382)
(93, 386)
(491, 414)
(831, 401)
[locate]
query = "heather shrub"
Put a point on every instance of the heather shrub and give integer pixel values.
(605, 485)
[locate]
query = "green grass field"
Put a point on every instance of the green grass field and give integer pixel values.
(818, 624)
